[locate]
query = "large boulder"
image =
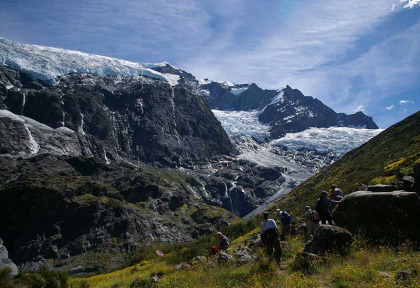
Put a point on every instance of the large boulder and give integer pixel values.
(391, 216)
(5, 262)
(329, 238)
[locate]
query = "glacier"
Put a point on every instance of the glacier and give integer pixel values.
(243, 123)
(47, 63)
(338, 140)
(335, 140)
(302, 154)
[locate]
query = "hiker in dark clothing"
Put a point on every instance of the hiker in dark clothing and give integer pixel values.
(324, 206)
(224, 241)
(270, 237)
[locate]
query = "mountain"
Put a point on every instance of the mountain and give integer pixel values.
(137, 119)
(385, 159)
(286, 110)
(76, 104)
(101, 156)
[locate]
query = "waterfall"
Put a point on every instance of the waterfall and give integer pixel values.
(23, 103)
(33, 145)
(229, 195)
(81, 125)
(106, 158)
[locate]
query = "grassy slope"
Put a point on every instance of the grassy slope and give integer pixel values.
(384, 159)
(363, 267)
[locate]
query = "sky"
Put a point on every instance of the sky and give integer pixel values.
(353, 55)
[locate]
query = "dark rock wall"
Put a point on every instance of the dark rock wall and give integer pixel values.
(56, 207)
(134, 118)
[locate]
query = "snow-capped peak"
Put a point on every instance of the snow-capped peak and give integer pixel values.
(47, 63)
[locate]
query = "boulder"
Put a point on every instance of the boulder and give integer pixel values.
(416, 175)
(329, 238)
(391, 216)
(5, 262)
(306, 262)
(408, 183)
(242, 256)
(381, 188)
(225, 258)
(405, 277)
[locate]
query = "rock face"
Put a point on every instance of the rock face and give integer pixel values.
(61, 208)
(5, 262)
(389, 216)
(132, 118)
(329, 238)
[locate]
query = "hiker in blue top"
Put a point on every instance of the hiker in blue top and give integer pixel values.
(335, 194)
(324, 206)
(285, 220)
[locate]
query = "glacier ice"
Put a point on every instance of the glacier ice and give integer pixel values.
(47, 63)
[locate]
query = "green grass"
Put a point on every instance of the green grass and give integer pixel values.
(365, 266)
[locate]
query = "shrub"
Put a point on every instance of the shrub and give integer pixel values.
(44, 278)
(142, 283)
(84, 284)
(6, 277)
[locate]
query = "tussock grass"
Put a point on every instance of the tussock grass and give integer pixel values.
(365, 266)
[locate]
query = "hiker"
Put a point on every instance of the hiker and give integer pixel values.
(224, 241)
(312, 222)
(336, 193)
(323, 207)
(270, 237)
(223, 244)
(285, 220)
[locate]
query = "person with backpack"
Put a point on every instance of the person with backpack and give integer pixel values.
(270, 237)
(335, 194)
(312, 222)
(285, 220)
(324, 206)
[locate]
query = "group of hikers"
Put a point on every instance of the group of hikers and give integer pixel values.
(271, 234)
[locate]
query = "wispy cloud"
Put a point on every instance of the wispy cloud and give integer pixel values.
(389, 108)
(360, 108)
(410, 3)
(406, 102)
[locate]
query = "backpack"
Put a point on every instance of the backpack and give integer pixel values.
(287, 218)
(319, 205)
(314, 216)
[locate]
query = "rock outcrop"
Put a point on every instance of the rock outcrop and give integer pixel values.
(390, 216)
(132, 118)
(329, 238)
(61, 208)
(5, 262)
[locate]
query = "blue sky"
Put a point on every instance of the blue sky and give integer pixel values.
(352, 55)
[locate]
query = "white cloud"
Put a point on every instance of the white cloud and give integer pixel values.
(389, 108)
(311, 36)
(360, 108)
(410, 3)
(406, 102)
